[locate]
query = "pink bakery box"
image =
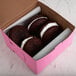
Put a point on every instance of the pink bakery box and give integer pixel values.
(19, 10)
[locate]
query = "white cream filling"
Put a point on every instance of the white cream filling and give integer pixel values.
(25, 41)
(47, 27)
(34, 21)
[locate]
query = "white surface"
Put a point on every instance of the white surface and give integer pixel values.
(63, 65)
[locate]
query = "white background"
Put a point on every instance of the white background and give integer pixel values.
(63, 65)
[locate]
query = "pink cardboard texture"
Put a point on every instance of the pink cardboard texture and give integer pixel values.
(39, 65)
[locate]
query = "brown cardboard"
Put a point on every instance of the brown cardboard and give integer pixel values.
(12, 10)
(52, 15)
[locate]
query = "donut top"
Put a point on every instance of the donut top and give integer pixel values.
(35, 21)
(25, 41)
(49, 25)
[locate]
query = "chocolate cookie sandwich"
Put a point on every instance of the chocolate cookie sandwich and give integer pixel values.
(18, 34)
(36, 23)
(49, 31)
(31, 45)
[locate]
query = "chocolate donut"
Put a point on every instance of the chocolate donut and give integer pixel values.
(18, 33)
(31, 45)
(49, 31)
